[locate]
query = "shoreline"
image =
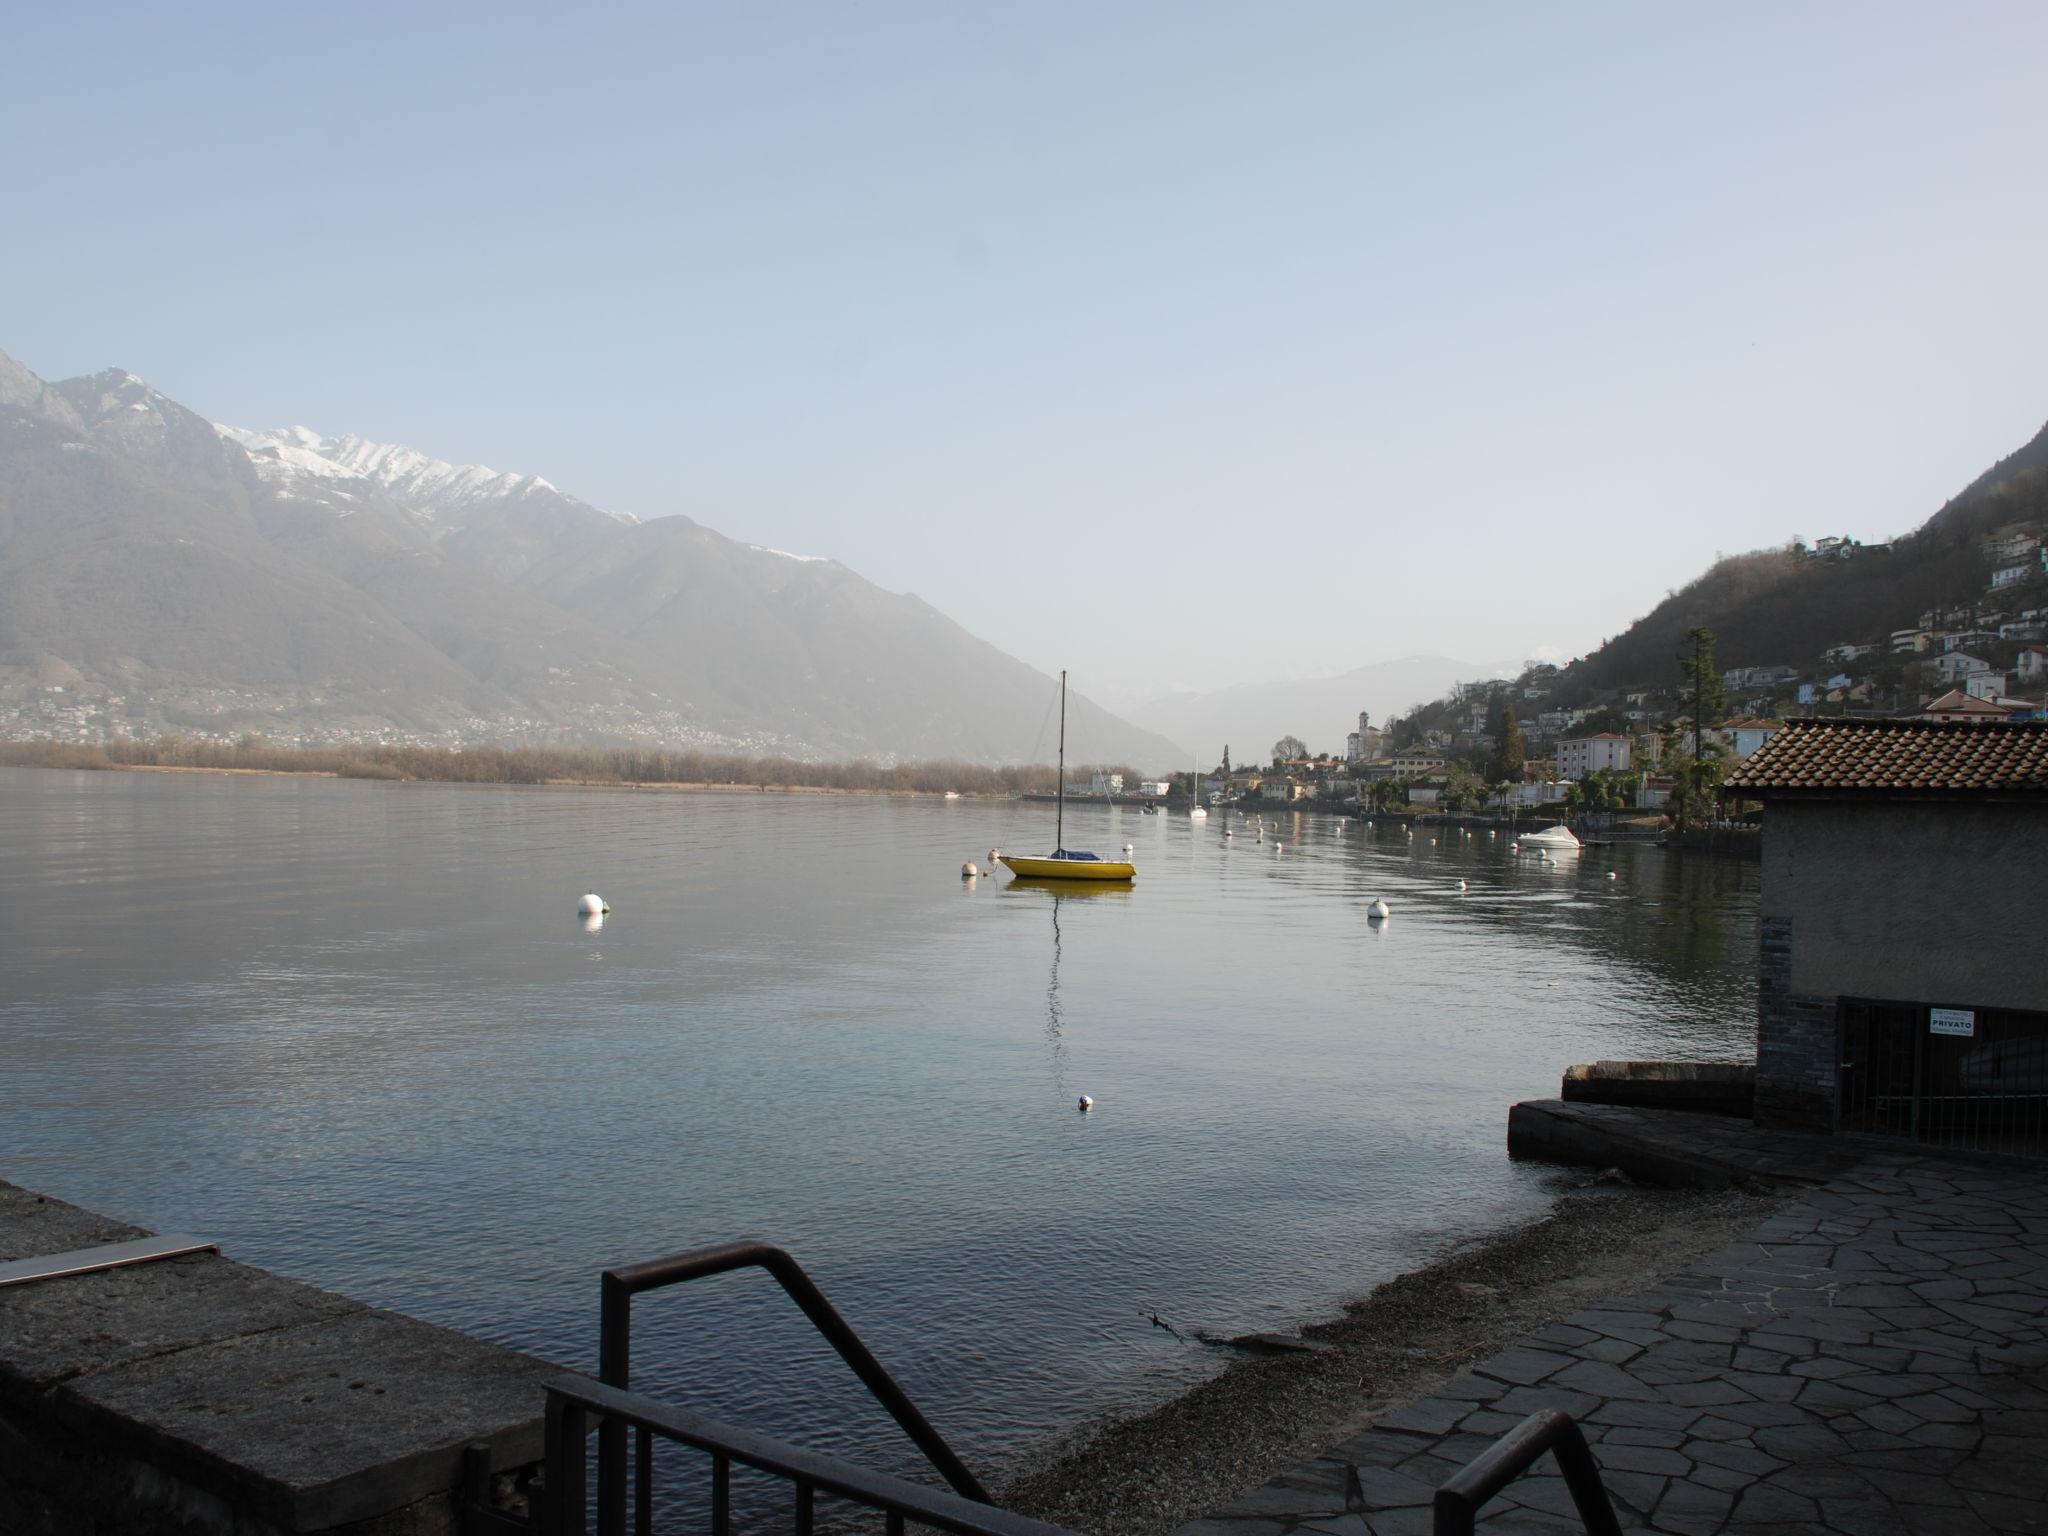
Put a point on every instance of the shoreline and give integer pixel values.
(661, 786)
(1148, 1473)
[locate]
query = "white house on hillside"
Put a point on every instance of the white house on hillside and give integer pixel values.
(1579, 756)
(1746, 735)
(1985, 685)
(1959, 664)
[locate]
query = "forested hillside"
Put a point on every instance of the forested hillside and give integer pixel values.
(1789, 605)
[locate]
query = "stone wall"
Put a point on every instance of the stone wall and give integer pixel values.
(1927, 902)
(1797, 1045)
(196, 1396)
(1896, 901)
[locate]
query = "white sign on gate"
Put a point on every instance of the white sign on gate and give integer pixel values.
(1951, 1021)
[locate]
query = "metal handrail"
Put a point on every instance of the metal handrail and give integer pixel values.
(615, 1344)
(1459, 1501)
(572, 1400)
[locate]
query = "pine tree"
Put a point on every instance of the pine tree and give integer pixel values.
(1709, 698)
(1505, 766)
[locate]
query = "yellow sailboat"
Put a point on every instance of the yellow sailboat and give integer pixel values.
(1065, 863)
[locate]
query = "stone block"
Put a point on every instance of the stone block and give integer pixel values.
(318, 1425)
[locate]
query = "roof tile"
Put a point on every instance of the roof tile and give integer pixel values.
(1899, 757)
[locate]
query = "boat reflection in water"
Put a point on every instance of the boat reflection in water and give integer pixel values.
(1054, 892)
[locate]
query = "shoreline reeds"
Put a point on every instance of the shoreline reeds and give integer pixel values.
(537, 765)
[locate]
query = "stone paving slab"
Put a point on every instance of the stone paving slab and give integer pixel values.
(1871, 1361)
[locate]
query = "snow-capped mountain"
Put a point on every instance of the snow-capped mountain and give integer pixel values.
(195, 577)
(441, 492)
(496, 521)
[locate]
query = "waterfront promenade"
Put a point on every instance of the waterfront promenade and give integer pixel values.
(1871, 1361)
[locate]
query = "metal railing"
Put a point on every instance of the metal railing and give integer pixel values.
(615, 1350)
(1458, 1502)
(572, 1401)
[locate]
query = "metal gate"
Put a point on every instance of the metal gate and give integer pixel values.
(1972, 1079)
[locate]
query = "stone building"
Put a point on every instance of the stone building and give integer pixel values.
(1904, 980)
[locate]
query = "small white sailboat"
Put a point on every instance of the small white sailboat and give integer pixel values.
(1196, 813)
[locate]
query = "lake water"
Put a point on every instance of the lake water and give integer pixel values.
(355, 1032)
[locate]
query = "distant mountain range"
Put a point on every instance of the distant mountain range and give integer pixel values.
(1320, 711)
(170, 574)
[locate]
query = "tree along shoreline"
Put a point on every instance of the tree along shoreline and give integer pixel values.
(578, 766)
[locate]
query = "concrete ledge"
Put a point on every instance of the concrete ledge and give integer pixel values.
(1704, 1087)
(1672, 1147)
(196, 1394)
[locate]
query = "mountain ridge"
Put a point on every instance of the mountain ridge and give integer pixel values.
(190, 576)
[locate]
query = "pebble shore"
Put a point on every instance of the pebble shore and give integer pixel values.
(1147, 1475)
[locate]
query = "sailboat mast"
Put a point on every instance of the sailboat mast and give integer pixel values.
(1059, 815)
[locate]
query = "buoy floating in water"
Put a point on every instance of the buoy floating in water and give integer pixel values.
(1610, 874)
(993, 855)
(1461, 885)
(968, 870)
(593, 905)
(1086, 1104)
(1379, 911)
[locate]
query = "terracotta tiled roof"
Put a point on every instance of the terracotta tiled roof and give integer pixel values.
(1957, 702)
(1898, 757)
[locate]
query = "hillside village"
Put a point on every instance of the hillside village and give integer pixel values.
(1546, 740)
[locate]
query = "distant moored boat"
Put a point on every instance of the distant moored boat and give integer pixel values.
(1065, 863)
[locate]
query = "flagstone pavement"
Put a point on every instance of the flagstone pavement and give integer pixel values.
(1871, 1361)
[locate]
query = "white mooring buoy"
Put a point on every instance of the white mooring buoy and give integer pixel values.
(593, 905)
(1378, 911)
(1086, 1104)
(968, 870)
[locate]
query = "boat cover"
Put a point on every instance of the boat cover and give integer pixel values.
(1075, 853)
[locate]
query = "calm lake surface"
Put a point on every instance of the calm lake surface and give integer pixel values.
(355, 1032)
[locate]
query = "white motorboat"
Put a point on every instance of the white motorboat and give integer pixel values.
(1551, 840)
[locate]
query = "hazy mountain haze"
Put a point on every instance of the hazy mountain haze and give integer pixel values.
(1319, 710)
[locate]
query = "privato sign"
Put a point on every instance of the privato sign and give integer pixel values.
(1951, 1021)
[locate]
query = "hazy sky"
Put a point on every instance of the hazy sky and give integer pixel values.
(1179, 344)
